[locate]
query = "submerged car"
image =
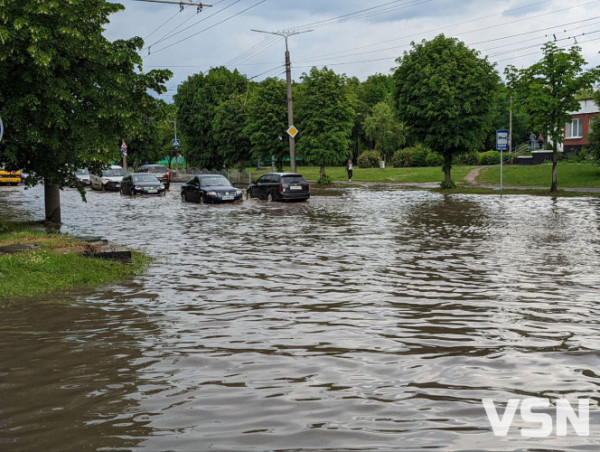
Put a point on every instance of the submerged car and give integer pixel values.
(141, 183)
(212, 188)
(108, 179)
(82, 176)
(161, 172)
(280, 187)
(10, 177)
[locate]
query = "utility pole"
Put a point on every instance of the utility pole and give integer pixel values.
(290, 103)
(510, 126)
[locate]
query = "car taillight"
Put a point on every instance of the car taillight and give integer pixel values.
(280, 188)
(168, 175)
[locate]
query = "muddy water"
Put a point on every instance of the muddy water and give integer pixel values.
(364, 321)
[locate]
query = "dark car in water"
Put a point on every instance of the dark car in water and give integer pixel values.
(161, 172)
(280, 187)
(82, 176)
(210, 188)
(142, 183)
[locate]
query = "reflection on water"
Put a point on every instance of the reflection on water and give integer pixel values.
(364, 321)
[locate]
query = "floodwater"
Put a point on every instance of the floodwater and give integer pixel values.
(361, 320)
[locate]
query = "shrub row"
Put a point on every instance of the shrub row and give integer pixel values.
(419, 156)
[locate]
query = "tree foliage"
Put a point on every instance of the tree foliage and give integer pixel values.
(228, 127)
(67, 94)
(325, 115)
(197, 101)
(384, 130)
(549, 89)
(443, 93)
(267, 120)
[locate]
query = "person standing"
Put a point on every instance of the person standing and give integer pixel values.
(533, 140)
(542, 140)
(349, 170)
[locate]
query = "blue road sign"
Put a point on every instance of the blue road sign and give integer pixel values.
(502, 140)
(1, 129)
(175, 143)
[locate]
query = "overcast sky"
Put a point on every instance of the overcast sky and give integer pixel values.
(357, 38)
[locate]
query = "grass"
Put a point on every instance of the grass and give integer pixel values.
(54, 266)
(571, 175)
(385, 175)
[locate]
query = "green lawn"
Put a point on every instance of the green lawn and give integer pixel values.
(575, 175)
(390, 175)
(53, 265)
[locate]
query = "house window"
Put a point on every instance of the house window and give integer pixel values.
(575, 128)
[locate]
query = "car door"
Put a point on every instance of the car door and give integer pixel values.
(126, 185)
(194, 189)
(264, 185)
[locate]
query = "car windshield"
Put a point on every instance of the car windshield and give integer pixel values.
(216, 181)
(144, 178)
(294, 179)
(114, 172)
(82, 172)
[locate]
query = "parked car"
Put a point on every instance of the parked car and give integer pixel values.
(161, 172)
(141, 183)
(108, 179)
(82, 176)
(280, 187)
(10, 177)
(210, 188)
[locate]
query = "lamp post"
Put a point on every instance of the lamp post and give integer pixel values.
(290, 102)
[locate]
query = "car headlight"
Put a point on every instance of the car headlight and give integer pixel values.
(238, 192)
(211, 193)
(162, 187)
(137, 187)
(105, 180)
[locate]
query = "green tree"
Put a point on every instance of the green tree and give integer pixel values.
(384, 130)
(549, 89)
(197, 100)
(594, 135)
(67, 94)
(228, 127)
(325, 116)
(443, 93)
(267, 121)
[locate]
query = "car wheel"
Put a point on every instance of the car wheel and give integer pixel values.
(248, 194)
(270, 197)
(102, 187)
(201, 199)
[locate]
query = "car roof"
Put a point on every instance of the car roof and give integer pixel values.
(151, 165)
(140, 174)
(285, 174)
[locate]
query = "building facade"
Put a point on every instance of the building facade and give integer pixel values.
(576, 132)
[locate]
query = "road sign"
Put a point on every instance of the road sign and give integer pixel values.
(124, 148)
(1, 129)
(292, 131)
(502, 140)
(176, 143)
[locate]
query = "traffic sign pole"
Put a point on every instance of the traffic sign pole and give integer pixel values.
(502, 144)
(1, 129)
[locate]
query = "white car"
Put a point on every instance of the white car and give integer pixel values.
(109, 179)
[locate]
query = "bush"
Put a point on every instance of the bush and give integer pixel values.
(434, 159)
(447, 185)
(369, 159)
(489, 158)
(416, 156)
(467, 158)
(325, 180)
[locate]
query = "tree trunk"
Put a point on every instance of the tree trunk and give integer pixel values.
(322, 171)
(554, 186)
(447, 169)
(52, 203)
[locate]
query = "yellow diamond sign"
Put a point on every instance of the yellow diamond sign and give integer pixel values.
(292, 131)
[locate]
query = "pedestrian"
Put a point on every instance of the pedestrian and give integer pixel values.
(533, 140)
(349, 169)
(542, 140)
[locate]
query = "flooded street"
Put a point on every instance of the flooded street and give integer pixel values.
(360, 320)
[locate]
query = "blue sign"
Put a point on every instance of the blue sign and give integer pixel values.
(502, 139)
(175, 143)
(1, 129)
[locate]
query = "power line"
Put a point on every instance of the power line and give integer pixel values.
(212, 26)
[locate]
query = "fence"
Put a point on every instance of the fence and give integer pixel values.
(234, 176)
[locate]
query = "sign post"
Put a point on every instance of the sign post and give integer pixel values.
(124, 152)
(502, 144)
(1, 129)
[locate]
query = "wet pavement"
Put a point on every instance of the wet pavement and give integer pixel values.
(361, 320)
